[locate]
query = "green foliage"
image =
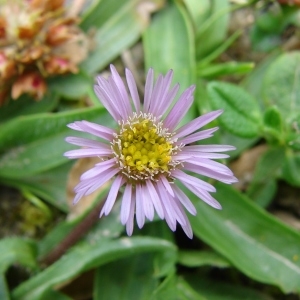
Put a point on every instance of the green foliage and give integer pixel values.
(235, 251)
(255, 237)
(242, 114)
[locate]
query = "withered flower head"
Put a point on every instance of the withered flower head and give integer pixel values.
(35, 41)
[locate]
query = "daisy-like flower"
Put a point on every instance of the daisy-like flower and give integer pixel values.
(148, 153)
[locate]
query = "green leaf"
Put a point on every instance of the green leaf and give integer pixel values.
(4, 293)
(85, 257)
(128, 278)
(17, 250)
(108, 227)
(263, 186)
(34, 144)
(241, 113)
(124, 23)
(212, 32)
(254, 241)
(199, 11)
(222, 69)
(281, 86)
(25, 105)
(193, 258)
(273, 122)
(72, 86)
(291, 168)
(50, 295)
(49, 185)
(216, 290)
(174, 287)
(172, 26)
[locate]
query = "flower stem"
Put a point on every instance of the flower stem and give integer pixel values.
(74, 236)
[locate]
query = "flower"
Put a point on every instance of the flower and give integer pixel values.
(148, 154)
(40, 37)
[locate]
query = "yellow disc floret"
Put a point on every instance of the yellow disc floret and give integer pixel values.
(143, 148)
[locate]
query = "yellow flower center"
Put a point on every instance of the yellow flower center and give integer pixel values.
(143, 147)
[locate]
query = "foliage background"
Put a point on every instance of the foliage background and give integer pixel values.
(244, 57)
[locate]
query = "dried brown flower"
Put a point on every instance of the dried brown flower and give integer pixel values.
(35, 39)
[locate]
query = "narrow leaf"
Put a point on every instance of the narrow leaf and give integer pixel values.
(255, 242)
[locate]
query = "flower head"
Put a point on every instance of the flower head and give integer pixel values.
(38, 36)
(148, 154)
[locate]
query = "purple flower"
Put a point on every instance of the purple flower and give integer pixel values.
(148, 154)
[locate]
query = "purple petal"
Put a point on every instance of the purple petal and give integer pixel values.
(228, 179)
(212, 165)
(169, 212)
(148, 90)
(126, 203)
(197, 123)
(186, 226)
(129, 224)
(185, 201)
(204, 196)
(147, 203)
(98, 169)
(140, 215)
(121, 88)
(104, 178)
(95, 129)
(165, 105)
(78, 197)
(183, 155)
(112, 195)
(75, 126)
(167, 185)
(124, 105)
(198, 183)
(106, 101)
(83, 142)
(156, 94)
(210, 148)
(201, 135)
(152, 191)
(179, 109)
(133, 90)
(160, 100)
(79, 153)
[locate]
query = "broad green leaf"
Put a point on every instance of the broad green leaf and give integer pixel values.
(255, 242)
(215, 290)
(17, 250)
(172, 26)
(211, 33)
(127, 278)
(72, 86)
(273, 124)
(199, 11)
(253, 82)
(127, 20)
(263, 185)
(85, 257)
(164, 262)
(291, 168)
(193, 258)
(241, 113)
(34, 144)
(174, 287)
(4, 293)
(50, 295)
(49, 185)
(281, 86)
(25, 105)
